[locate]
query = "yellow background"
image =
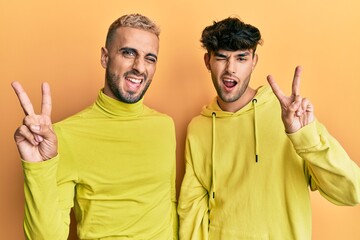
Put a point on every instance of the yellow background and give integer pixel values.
(60, 41)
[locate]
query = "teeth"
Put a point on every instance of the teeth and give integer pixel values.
(226, 80)
(133, 80)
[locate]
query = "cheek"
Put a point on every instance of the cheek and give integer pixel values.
(120, 64)
(217, 72)
(246, 69)
(151, 69)
(218, 68)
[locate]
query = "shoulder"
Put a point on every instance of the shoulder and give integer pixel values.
(150, 112)
(199, 125)
(75, 117)
(76, 121)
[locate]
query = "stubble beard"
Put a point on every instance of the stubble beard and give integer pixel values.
(113, 82)
(226, 97)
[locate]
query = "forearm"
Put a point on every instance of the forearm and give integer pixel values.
(44, 217)
(193, 218)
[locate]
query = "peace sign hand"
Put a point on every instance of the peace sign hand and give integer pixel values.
(296, 112)
(35, 139)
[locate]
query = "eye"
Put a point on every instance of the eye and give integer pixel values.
(128, 53)
(242, 59)
(151, 59)
(220, 58)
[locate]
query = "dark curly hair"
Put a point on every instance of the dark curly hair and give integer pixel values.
(230, 34)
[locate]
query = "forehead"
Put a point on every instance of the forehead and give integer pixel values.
(141, 40)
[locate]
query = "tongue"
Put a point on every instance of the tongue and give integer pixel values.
(229, 84)
(132, 86)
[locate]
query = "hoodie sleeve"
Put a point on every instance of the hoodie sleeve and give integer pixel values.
(193, 204)
(328, 167)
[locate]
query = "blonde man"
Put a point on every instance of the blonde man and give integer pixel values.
(113, 162)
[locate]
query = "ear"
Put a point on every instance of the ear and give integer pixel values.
(104, 57)
(207, 60)
(255, 60)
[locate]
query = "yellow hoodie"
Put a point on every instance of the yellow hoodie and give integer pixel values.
(247, 179)
(116, 167)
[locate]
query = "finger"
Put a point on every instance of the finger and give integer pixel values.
(305, 103)
(275, 87)
(296, 81)
(34, 123)
(307, 106)
(41, 127)
(308, 111)
(310, 107)
(38, 124)
(23, 98)
(303, 107)
(24, 133)
(38, 138)
(46, 100)
(34, 120)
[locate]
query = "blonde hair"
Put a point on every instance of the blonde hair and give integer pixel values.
(135, 20)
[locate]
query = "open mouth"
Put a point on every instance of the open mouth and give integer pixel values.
(133, 84)
(134, 80)
(229, 83)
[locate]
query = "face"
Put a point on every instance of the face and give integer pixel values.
(230, 73)
(130, 63)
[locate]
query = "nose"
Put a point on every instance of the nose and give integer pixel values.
(139, 65)
(231, 66)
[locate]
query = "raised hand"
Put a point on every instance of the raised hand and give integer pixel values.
(296, 111)
(35, 139)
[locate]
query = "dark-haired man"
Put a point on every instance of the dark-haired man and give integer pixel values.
(114, 162)
(250, 160)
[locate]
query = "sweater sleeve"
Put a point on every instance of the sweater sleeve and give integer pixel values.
(328, 167)
(46, 215)
(193, 205)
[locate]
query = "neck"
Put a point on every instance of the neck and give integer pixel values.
(235, 106)
(114, 107)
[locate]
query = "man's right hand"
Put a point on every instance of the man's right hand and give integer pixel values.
(35, 139)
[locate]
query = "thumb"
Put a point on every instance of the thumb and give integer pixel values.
(42, 131)
(295, 106)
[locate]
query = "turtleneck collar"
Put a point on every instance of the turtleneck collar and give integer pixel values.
(113, 107)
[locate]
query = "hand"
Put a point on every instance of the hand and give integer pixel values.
(296, 112)
(35, 139)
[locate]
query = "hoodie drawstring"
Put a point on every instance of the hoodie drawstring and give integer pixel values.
(254, 101)
(213, 155)
(213, 186)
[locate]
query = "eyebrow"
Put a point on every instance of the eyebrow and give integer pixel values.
(136, 51)
(217, 54)
(244, 54)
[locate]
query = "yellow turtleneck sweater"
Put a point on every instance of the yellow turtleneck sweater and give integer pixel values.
(116, 167)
